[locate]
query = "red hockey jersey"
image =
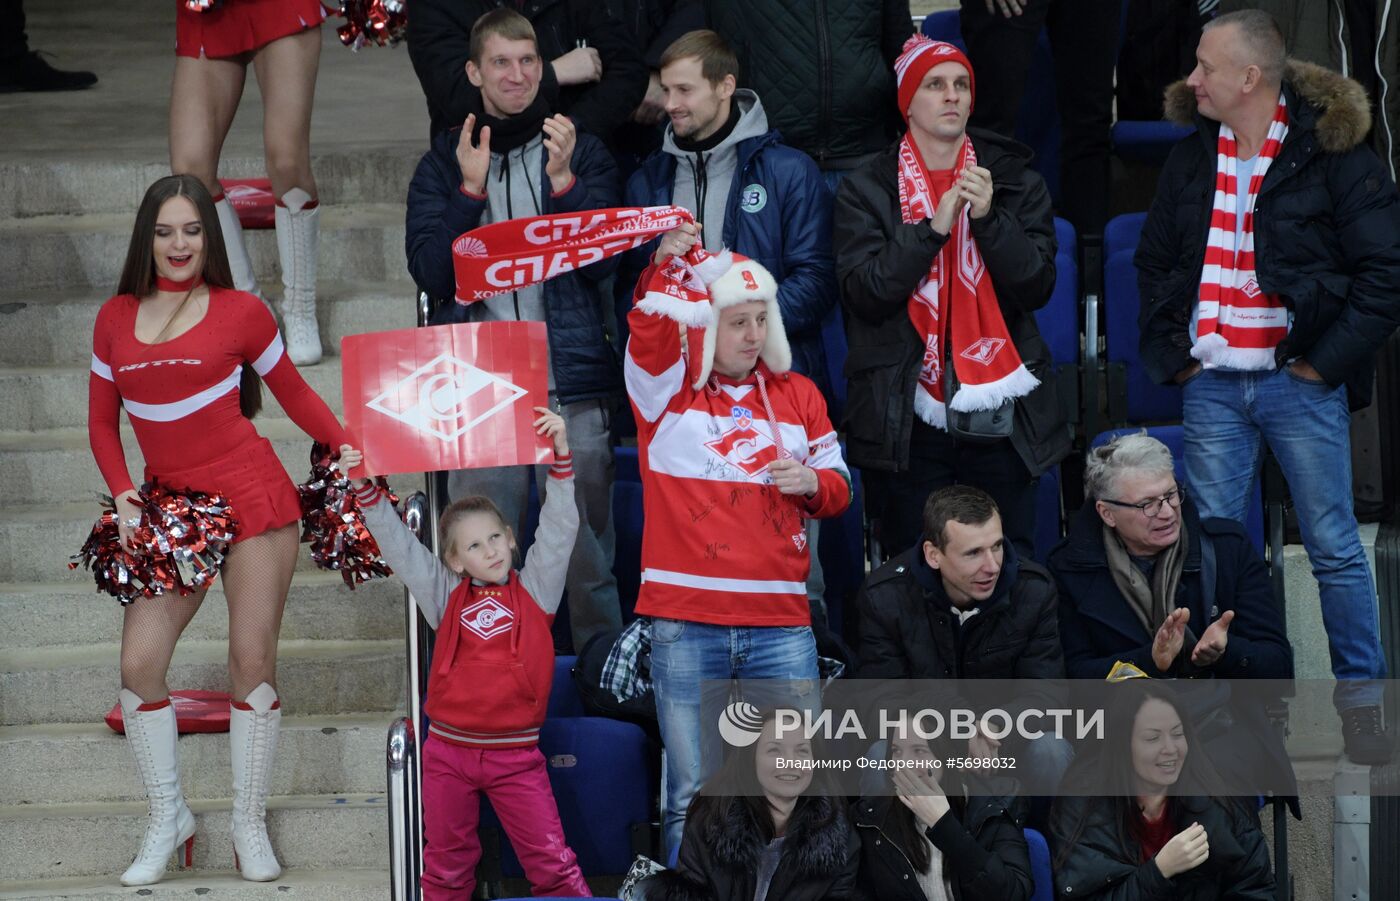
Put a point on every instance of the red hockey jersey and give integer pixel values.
(721, 544)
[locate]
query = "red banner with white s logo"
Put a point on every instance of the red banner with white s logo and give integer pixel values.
(447, 396)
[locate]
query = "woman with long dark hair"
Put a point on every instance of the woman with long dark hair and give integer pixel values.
(281, 40)
(184, 353)
(1164, 829)
(761, 831)
(935, 841)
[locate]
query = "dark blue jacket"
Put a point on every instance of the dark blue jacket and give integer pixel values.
(1098, 628)
(584, 362)
(790, 236)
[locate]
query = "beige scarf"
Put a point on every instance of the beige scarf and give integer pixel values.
(1151, 603)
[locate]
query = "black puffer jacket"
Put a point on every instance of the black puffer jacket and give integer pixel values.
(824, 68)
(986, 851)
(439, 33)
(908, 632)
(820, 857)
(1326, 235)
(1096, 869)
(879, 263)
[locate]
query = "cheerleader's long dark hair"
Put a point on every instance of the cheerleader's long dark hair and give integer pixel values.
(139, 273)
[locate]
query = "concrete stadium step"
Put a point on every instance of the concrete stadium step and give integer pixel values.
(33, 398)
(54, 327)
(65, 185)
(79, 684)
(293, 885)
(82, 762)
(362, 241)
(36, 542)
(56, 466)
(54, 841)
(320, 607)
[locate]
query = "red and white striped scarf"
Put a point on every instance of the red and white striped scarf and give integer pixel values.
(954, 309)
(1238, 326)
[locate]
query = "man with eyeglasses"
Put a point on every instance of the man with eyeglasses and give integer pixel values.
(1145, 580)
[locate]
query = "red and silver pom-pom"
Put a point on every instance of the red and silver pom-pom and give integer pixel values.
(180, 543)
(382, 22)
(332, 524)
(200, 6)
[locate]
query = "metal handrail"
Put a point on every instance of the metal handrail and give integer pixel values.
(404, 747)
(405, 833)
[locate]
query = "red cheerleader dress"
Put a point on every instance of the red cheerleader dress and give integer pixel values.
(182, 399)
(234, 27)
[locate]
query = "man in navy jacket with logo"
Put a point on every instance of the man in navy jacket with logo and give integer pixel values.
(752, 193)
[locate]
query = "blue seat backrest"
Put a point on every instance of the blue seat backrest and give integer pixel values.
(601, 777)
(1173, 436)
(564, 699)
(1037, 122)
(1058, 320)
(627, 528)
(1146, 400)
(1048, 513)
(1040, 866)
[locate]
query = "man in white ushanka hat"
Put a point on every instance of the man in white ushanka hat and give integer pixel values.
(737, 453)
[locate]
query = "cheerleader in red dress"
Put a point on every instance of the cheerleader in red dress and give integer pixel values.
(282, 40)
(183, 353)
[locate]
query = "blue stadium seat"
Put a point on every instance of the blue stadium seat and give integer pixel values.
(1049, 513)
(1173, 437)
(627, 527)
(1058, 320)
(1038, 122)
(1040, 866)
(627, 546)
(564, 699)
(1146, 142)
(602, 778)
(1132, 396)
(1143, 141)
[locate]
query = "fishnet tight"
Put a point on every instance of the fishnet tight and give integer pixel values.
(256, 575)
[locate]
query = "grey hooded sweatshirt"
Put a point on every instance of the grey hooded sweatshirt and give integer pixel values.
(704, 178)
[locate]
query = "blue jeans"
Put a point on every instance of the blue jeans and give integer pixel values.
(685, 654)
(1227, 415)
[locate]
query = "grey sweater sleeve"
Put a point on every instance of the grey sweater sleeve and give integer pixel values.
(547, 563)
(427, 578)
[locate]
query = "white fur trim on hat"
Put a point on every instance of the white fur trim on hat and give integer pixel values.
(745, 281)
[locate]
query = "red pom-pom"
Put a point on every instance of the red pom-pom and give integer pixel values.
(332, 524)
(382, 22)
(181, 542)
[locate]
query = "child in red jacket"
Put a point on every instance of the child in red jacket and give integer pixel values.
(492, 668)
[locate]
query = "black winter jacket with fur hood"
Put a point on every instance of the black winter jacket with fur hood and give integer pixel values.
(719, 856)
(1326, 234)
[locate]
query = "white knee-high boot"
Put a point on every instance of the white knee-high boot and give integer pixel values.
(253, 740)
(298, 242)
(152, 737)
(240, 266)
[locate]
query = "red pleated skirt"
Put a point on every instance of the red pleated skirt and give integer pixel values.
(237, 26)
(252, 478)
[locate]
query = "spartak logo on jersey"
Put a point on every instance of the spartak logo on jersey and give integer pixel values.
(487, 618)
(744, 446)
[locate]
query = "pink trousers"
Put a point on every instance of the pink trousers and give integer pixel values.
(517, 784)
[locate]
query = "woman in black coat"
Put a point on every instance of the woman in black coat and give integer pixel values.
(1167, 833)
(758, 832)
(925, 845)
